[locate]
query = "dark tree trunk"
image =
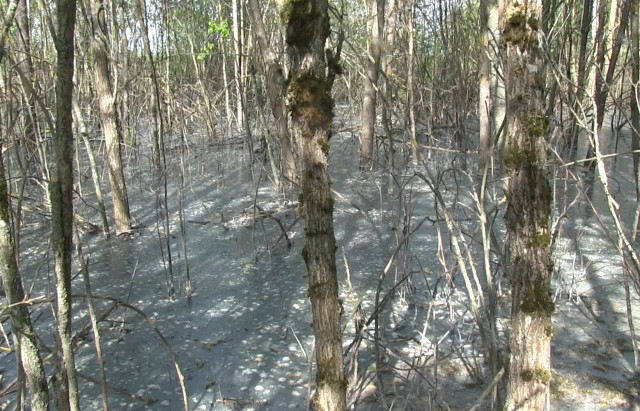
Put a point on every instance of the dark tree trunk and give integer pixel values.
(528, 209)
(61, 191)
(311, 109)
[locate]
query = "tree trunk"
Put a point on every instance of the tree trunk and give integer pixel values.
(387, 105)
(155, 116)
(29, 139)
(110, 122)
(578, 95)
(411, 94)
(23, 334)
(61, 191)
(275, 90)
(236, 10)
(95, 174)
(528, 210)
(635, 108)
(311, 109)
(375, 25)
(498, 92)
(613, 33)
(484, 92)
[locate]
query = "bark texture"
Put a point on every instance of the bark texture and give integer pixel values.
(528, 208)
(275, 91)
(23, 334)
(61, 191)
(375, 24)
(484, 88)
(311, 110)
(109, 119)
(635, 98)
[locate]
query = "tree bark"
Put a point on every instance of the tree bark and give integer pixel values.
(612, 33)
(387, 106)
(311, 108)
(23, 334)
(109, 119)
(61, 191)
(578, 95)
(275, 91)
(375, 26)
(95, 174)
(236, 12)
(635, 107)
(411, 97)
(155, 117)
(29, 139)
(528, 210)
(484, 88)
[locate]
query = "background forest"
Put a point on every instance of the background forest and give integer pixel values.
(385, 204)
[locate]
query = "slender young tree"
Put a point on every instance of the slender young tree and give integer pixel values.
(375, 27)
(635, 106)
(24, 336)
(238, 61)
(109, 118)
(411, 92)
(157, 127)
(275, 90)
(612, 27)
(61, 195)
(528, 209)
(311, 107)
(387, 88)
(578, 94)
(484, 91)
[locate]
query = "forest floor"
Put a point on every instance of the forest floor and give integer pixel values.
(244, 338)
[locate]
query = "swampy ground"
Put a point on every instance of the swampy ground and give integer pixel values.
(243, 340)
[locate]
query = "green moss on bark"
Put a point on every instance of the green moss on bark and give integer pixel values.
(540, 375)
(300, 17)
(310, 103)
(520, 31)
(538, 300)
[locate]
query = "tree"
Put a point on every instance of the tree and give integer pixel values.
(24, 335)
(484, 89)
(387, 88)
(612, 27)
(375, 26)
(635, 107)
(61, 194)
(528, 210)
(275, 90)
(109, 118)
(311, 107)
(157, 126)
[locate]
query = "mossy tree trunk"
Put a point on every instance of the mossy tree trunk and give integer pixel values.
(61, 194)
(528, 209)
(311, 110)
